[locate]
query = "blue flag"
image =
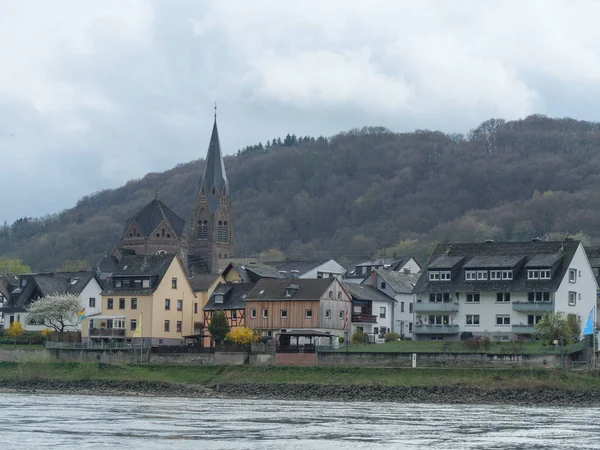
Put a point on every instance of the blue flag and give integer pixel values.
(589, 326)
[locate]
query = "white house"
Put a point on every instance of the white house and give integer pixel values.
(329, 268)
(399, 286)
(85, 285)
(501, 290)
(402, 264)
(372, 310)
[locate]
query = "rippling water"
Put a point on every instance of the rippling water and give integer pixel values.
(65, 421)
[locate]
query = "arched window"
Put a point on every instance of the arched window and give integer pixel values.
(202, 229)
(225, 233)
(220, 231)
(163, 232)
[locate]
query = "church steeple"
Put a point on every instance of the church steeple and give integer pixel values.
(214, 180)
(211, 228)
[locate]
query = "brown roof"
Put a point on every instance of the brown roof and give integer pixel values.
(275, 289)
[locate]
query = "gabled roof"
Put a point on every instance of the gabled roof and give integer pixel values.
(445, 262)
(560, 252)
(151, 216)
(234, 296)
(275, 289)
(202, 282)
(154, 266)
(251, 273)
(400, 283)
(545, 260)
(214, 172)
(301, 266)
(366, 292)
(493, 261)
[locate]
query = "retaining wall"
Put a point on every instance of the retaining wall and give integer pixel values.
(296, 359)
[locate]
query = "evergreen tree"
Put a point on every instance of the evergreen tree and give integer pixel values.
(219, 327)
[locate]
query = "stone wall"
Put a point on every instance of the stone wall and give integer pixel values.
(183, 358)
(22, 354)
(231, 358)
(467, 360)
(296, 359)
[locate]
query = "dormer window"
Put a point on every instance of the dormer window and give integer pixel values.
(482, 274)
(74, 281)
(507, 274)
(470, 275)
(495, 274)
(545, 274)
(434, 276)
(218, 298)
(445, 276)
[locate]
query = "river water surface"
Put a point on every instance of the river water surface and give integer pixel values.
(74, 422)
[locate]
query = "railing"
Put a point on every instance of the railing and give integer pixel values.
(308, 348)
(92, 345)
(523, 329)
(436, 307)
(436, 329)
(533, 306)
(178, 349)
(364, 318)
(107, 332)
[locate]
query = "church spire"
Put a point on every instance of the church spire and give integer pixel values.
(214, 181)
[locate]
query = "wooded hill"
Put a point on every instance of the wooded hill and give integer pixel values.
(361, 193)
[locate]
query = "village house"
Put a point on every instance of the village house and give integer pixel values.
(203, 286)
(501, 290)
(328, 268)
(231, 299)
(248, 273)
(399, 286)
(372, 310)
(283, 305)
(148, 291)
(31, 287)
(403, 264)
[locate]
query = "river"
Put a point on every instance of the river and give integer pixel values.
(75, 422)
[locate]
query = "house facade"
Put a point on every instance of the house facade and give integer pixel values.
(231, 299)
(372, 310)
(501, 290)
(399, 286)
(282, 305)
(148, 291)
(31, 287)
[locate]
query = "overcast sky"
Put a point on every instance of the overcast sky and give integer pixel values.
(94, 93)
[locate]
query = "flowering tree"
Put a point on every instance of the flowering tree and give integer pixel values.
(15, 331)
(553, 326)
(242, 335)
(58, 311)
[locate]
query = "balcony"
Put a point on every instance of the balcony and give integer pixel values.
(533, 306)
(523, 329)
(435, 307)
(107, 332)
(364, 318)
(436, 329)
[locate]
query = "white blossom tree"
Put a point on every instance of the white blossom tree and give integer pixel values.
(58, 311)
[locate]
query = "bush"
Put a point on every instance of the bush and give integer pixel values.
(359, 338)
(391, 336)
(15, 331)
(471, 344)
(341, 340)
(242, 335)
(219, 326)
(265, 339)
(485, 342)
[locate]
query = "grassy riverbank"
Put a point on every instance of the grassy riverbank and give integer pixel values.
(208, 376)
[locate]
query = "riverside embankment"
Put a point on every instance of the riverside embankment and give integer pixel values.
(449, 386)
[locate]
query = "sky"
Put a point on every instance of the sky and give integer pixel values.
(93, 94)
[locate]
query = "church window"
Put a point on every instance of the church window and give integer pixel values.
(157, 234)
(163, 232)
(224, 232)
(220, 231)
(202, 229)
(214, 191)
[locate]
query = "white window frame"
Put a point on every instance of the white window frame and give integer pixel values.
(382, 312)
(470, 320)
(284, 314)
(145, 284)
(545, 274)
(341, 314)
(507, 274)
(482, 275)
(308, 314)
(265, 313)
(470, 275)
(445, 276)
(572, 275)
(328, 314)
(572, 298)
(434, 276)
(495, 274)
(533, 274)
(505, 320)
(504, 296)
(253, 313)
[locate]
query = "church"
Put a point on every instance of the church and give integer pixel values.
(156, 229)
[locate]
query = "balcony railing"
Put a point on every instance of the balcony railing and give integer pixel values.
(364, 318)
(436, 329)
(533, 306)
(523, 329)
(107, 332)
(424, 307)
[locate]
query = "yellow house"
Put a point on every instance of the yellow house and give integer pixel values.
(248, 273)
(151, 292)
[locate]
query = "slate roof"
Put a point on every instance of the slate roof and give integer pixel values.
(48, 283)
(493, 261)
(561, 251)
(593, 254)
(301, 266)
(214, 171)
(445, 262)
(234, 296)
(154, 266)
(202, 282)
(274, 289)
(366, 292)
(400, 283)
(151, 216)
(107, 264)
(546, 260)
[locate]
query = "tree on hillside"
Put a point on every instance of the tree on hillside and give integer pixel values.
(554, 327)
(272, 255)
(219, 327)
(74, 265)
(58, 312)
(13, 267)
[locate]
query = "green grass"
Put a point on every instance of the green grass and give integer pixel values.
(347, 376)
(535, 347)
